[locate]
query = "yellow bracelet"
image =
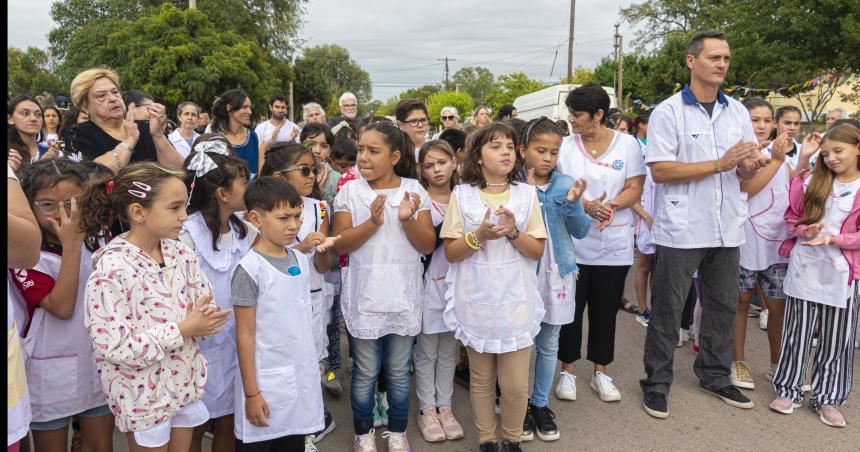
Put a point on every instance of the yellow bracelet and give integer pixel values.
(472, 241)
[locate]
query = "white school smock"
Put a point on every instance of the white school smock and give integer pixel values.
(766, 229)
(219, 349)
(556, 291)
(181, 144)
(708, 212)
(644, 243)
(18, 415)
(434, 280)
(285, 356)
(820, 273)
(382, 289)
(493, 304)
(607, 173)
(61, 368)
(322, 293)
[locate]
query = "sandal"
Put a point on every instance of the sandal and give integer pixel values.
(627, 306)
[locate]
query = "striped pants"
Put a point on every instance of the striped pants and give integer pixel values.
(832, 364)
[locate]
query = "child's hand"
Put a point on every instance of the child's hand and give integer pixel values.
(576, 190)
(781, 146)
(530, 176)
(68, 230)
(507, 221)
(811, 143)
(377, 210)
(812, 231)
(649, 220)
(487, 230)
(823, 240)
(408, 206)
(256, 410)
(15, 159)
(312, 240)
(204, 318)
(327, 244)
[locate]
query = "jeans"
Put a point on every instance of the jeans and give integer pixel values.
(673, 276)
(546, 355)
(369, 356)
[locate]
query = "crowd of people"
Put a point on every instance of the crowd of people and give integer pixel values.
(195, 281)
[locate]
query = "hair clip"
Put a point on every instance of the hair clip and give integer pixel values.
(143, 190)
(109, 187)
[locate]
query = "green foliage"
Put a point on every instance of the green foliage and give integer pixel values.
(477, 81)
(29, 72)
(462, 101)
(387, 107)
(178, 55)
(325, 72)
(511, 86)
(423, 93)
(580, 76)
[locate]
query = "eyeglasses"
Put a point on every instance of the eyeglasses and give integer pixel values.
(349, 106)
(448, 118)
(417, 122)
(51, 207)
(305, 170)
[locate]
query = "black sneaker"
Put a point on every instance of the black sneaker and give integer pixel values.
(528, 428)
(655, 404)
(508, 446)
(329, 427)
(544, 422)
(491, 446)
(730, 395)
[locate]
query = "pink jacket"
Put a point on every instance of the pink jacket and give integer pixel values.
(848, 239)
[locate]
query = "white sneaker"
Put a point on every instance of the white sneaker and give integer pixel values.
(397, 442)
(602, 384)
(309, 444)
(762, 320)
(683, 336)
(814, 342)
(754, 311)
(642, 320)
(566, 387)
(365, 443)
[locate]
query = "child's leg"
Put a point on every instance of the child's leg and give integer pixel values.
(641, 276)
(50, 438)
(482, 393)
(425, 356)
(446, 360)
(224, 436)
(367, 359)
(513, 369)
(833, 363)
(800, 319)
(97, 429)
(180, 439)
(744, 298)
(546, 350)
(397, 361)
(333, 331)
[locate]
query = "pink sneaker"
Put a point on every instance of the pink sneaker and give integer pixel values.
(452, 428)
(831, 416)
(429, 426)
(784, 405)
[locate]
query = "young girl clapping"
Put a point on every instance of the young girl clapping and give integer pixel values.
(821, 282)
(493, 234)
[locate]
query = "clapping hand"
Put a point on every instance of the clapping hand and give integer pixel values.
(576, 190)
(408, 206)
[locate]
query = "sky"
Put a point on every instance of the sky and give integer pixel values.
(399, 42)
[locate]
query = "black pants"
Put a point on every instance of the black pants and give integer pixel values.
(689, 306)
(292, 443)
(599, 287)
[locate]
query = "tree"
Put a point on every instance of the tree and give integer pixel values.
(325, 72)
(511, 86)
(462, 101)
(581, 75)
(422, 93)
(178, 55)
(477, 81)
(29, 72)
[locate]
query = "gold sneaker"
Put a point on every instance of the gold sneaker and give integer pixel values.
(741, 375)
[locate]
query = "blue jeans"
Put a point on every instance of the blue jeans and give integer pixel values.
(369, 356)
(546, 355)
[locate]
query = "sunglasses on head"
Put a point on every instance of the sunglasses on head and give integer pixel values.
(305, 170)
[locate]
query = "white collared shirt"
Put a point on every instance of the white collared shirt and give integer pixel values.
(708, 212)
(181, 144)
(266, 129)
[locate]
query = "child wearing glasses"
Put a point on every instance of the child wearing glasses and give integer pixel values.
(55, 339)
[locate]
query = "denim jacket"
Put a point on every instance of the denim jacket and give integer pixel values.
(563, 220)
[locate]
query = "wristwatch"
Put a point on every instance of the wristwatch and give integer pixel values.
(513, 237)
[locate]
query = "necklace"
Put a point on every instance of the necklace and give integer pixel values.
(503, 184)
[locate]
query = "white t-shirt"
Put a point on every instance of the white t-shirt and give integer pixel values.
(266, 129)
(606, 173)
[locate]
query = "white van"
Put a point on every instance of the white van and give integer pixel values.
(549, 102)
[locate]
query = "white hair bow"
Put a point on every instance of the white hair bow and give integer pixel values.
(202, 163)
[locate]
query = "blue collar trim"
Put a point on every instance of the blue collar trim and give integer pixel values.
(690, 98)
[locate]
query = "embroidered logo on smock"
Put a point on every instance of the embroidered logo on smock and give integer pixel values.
(618, 164)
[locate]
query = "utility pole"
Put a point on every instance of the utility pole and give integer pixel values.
(192, 4)
(619, 59)
(570, 43)
(446, 60)
(293, 63)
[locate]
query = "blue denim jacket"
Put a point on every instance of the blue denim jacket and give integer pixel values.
(563, 220)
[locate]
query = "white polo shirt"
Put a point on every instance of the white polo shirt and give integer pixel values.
(266, 129)
(181, 144)
(709, 212)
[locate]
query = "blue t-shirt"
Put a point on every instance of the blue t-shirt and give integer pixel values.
(249, 152)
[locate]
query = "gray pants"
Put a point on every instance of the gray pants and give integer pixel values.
(718, 276)
(435, 358)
